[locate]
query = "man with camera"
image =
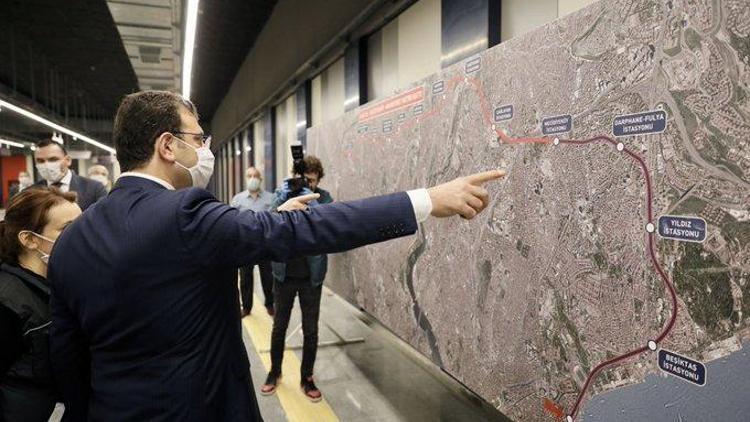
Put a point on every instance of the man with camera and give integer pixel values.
(299, 276)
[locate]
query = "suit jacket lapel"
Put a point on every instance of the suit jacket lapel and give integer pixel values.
(73, 182)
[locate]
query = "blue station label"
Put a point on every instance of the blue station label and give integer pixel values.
(503, 113)
(438, 87)
(682, 367)
(418, 109)
(473, 65)
(362, 129)
(688, 229)
(387, 126)
(557, 124)
(401, 117)
(640, 123)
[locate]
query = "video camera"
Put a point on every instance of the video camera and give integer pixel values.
(298, 182)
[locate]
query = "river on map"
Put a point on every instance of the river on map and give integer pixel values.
(725, 397)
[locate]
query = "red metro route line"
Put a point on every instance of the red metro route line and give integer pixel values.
(602, 139)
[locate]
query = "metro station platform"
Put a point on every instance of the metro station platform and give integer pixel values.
(365, 372)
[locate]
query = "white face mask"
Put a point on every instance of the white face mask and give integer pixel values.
(44, 257)
(51, 171)
(202, 171)
(100, 178)
(253, 184)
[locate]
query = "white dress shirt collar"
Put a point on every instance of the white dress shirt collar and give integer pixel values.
(149, 177)
(64, 182)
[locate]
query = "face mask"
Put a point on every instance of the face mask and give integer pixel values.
(202, 171)
(100, 178)
(24, 182)
(50, 171)
(44, 257)
(253, 184)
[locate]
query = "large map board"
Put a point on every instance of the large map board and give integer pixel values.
(615, 254)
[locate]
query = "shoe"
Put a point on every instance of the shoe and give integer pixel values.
(270, 310)
(310, 390)
(244, 313)
(269, 387)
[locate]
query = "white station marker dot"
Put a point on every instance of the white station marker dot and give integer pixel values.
(650, 227)
(569, 418)
(494, 127)
(556, 141)
(466, 79)
(620, 146)
(652, 345)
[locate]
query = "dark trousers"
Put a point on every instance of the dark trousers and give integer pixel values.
(309, 302)
(246, 284)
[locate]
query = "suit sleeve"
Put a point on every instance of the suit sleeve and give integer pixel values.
(100, 191)
(69, 355)
(223, 236)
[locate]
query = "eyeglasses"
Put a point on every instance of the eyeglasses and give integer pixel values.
(205, 139)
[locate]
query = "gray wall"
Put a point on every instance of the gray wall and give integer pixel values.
(293, 34)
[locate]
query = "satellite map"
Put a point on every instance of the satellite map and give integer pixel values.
(610, 277)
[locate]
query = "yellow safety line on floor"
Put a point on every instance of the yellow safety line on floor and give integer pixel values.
(297, 407)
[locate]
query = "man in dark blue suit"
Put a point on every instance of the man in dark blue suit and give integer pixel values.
(53, 164)
(146, 324)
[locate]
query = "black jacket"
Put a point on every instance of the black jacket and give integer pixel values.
(26, 388)
(88, 190)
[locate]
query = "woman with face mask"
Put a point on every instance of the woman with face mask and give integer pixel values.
(33, 221)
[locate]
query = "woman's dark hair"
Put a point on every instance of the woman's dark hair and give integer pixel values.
(28, 210)
(141, 118)
(313, 165)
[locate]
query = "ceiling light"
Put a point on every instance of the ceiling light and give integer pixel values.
(54, 126)
(11, 143)
(187, 55)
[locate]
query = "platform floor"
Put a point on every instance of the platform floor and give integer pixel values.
(374, 376)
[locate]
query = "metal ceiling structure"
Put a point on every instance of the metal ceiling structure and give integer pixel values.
(64, 61)
(151, 33)
(73, 61)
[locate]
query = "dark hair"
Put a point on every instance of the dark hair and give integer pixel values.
(141, 118)
(28, 210)
(47, 142)
(313, 165)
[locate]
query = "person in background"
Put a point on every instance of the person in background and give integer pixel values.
(100, 173)
(254, 199)
(314, 172)
(24, 181)
(303, 277)
(33, 221)
(53, 164)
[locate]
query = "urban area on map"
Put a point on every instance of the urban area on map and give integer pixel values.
(616, 252)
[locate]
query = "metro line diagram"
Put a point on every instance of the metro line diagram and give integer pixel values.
(554, 141)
